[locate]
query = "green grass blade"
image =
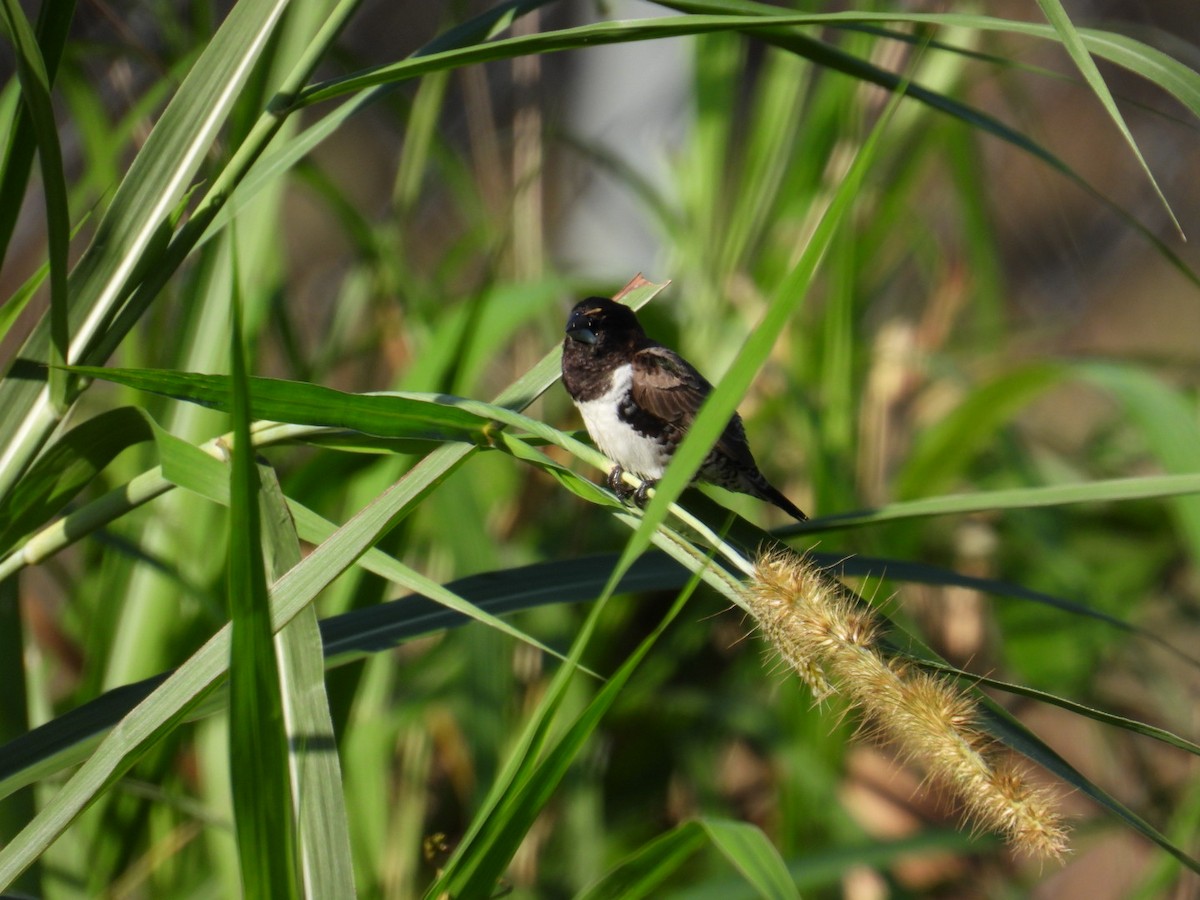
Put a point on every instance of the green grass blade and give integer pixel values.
(644, 870)
(157, 268)
(1074, 44)
(524, 788)
(924, 573)
(53, 28)
(12, 308)
(749, 851)
(258, 740)
(1157, 67)
(1167, 421)
(299, 403)
(67, 468)
(65, 740)
(1079, 709)
(35, 90)
(1104, 491)
(156, 716)
(187, 686)
(1002, 725)
(156, 182)
(19, 807)
(316, 774)
(944, 450)
(1169, 74)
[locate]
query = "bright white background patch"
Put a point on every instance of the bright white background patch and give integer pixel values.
(616, 439)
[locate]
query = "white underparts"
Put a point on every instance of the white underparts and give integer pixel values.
(633, 452)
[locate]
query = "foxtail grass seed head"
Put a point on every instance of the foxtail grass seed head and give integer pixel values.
(829, 637)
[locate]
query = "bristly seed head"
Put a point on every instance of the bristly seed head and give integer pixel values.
(829, 636)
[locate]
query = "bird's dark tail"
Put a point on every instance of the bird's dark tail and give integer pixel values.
(768, 492)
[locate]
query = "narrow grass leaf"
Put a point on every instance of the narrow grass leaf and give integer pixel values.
(258, 741)
(1104, 491)
(643, 871)
(1164, 71)
(35, 90)
(1079, 709)
(316, 775)
(154, 717)
(15, 305)
(924, 573)
(1002, 725)
(1167, 421)
(19, 807)
(53, 28)
(65, 740)
(182, 691)
(752, 854)
(1170, 75)
(67, 468)
(156, 181)
(12, 308)
(155, 269)
(301, 403)
(945, 448)
(530, 778)
(194, 470)
(1073, 43)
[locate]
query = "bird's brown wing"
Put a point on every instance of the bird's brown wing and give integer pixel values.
(669, 388)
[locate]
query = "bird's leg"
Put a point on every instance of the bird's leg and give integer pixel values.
(617, 485)
(639, 495)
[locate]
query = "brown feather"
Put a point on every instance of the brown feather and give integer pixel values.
(669, 388)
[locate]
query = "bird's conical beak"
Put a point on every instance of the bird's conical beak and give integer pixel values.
(580, 329)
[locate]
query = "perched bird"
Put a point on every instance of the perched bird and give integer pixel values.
(638, 399)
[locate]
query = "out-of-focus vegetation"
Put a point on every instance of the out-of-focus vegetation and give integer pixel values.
(968, 323)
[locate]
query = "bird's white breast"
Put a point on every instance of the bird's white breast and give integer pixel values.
(615, 438)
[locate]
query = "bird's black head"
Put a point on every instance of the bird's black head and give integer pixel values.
(602, 324)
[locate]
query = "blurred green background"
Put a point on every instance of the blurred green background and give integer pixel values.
(981, 321)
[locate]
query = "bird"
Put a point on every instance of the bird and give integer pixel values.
(638, 399)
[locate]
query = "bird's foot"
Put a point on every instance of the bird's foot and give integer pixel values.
(625, 493)
(639, 494)
(617, 484)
